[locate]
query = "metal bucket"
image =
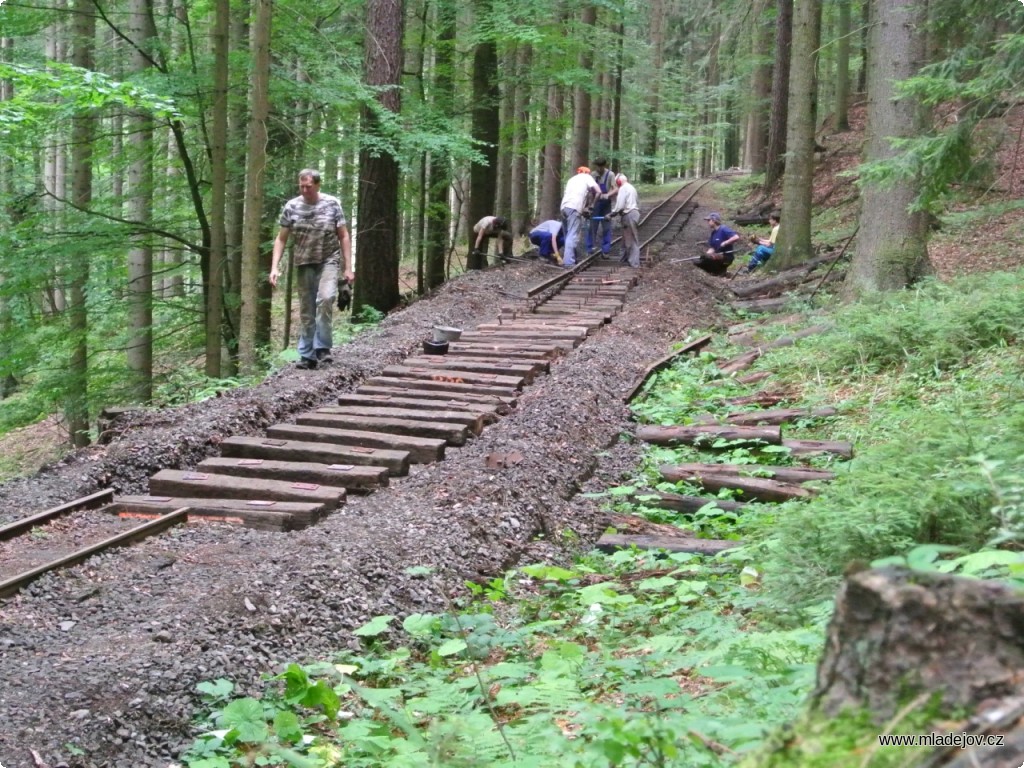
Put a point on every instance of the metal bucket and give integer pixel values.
(446, 333)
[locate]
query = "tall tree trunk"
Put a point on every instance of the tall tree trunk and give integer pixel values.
(842, 121)
(794, 244)
(617, 102)
(521, 208)
(756, 145)
(551, 185)
(649, 169)
(892, 243)
(76, 408)
(259, 111)
(439, 210)
(7, 381)
(142, 32)
(711, 106)
(235, 213)
(503, 205)
(378, 237)
(486, 130)
(218, 191)
(776, 160)
(581, 109)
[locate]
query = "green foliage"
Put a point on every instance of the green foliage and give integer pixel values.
(625, 660)
(931, 328)
(979, 77)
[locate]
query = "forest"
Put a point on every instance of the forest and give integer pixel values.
(149, 146)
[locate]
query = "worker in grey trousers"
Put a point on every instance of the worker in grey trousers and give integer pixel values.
(627, 206)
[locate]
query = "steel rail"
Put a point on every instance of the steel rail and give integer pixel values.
(91, 501)
(12, 585)
(694, 185)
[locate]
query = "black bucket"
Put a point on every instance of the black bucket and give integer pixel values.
(435, 347)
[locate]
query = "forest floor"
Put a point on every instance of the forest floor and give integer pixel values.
(120, 643)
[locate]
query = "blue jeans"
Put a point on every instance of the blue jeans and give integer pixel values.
(602, 208)
(573, 222)
(760, 255)
(318, 290)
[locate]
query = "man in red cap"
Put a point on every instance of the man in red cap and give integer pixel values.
(577, 192)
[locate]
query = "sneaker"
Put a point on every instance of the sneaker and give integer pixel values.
(306, 364)
(324, 356)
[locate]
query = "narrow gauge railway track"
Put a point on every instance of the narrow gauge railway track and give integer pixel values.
(410, 413)
(663, 221)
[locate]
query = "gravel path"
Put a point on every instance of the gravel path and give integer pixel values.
(105, 656)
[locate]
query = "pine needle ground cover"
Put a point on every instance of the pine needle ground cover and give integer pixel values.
(647, 659)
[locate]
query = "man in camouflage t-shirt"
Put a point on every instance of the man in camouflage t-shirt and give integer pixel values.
(321, 245)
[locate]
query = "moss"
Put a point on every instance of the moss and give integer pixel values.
(851, 739)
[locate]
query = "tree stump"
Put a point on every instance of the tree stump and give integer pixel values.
(898, 633)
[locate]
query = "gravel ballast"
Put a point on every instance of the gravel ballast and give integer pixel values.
(99, 663)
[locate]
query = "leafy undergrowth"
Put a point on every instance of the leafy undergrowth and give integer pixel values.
(641, 659)
(626, 659)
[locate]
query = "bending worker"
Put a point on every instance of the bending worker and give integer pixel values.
(493, 227)
(549, 237)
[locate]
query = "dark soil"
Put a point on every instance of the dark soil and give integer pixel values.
(99, 663)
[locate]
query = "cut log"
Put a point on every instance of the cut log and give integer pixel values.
(489, 413)
(454, 377)
(740, 363)
(790, 339)
(263, 515)
(191, 484)
(763, 399)
(509, 394)
(782, 280)
(812, 447)
(500, 405)
(611, 542)
(677, 472)
(762, 305)
(421, 450)
(635, 525)
(397, 462)
(474, 422)
(678, 502)
(778, 416)
(751, 488)
(351, 477)
(753, 378)
(707, 434)
(664, 362)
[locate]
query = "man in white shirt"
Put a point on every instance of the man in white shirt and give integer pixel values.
(577, 192)
(627, 205)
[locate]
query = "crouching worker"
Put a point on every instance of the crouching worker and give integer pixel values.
(765, 245)
(720, 253)
(549, 237)
(492, 227)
